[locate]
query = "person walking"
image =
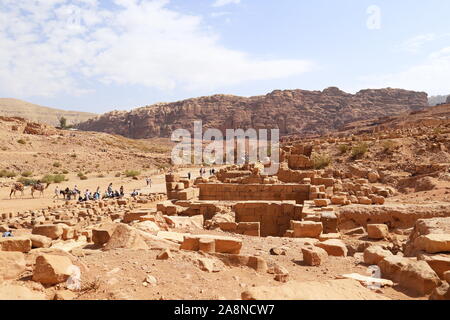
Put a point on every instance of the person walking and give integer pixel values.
(87, 195)
(56, 193)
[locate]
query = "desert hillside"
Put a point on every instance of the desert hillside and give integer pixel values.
(432, 116)
(33, 112)
(32, 150)
(292, 111)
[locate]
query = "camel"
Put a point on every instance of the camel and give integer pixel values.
(68, 194)
(38, 187)
(17, 187)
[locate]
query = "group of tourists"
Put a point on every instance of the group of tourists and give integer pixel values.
(87, 195)
(212, 172)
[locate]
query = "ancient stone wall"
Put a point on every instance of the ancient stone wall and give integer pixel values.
(274, 217)
(245, 192)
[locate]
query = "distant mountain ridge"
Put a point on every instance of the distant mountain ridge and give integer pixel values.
(292, 111)
(18, 108)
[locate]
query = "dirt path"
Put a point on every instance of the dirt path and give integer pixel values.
(21, 204)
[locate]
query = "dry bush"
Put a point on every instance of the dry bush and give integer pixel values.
(360, 150)
(321, 161)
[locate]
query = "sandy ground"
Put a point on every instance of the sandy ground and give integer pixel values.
(20, 204)
(121, 273)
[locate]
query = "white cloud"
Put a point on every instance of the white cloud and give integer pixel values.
(221, 3)
(431, 75)
(59, 45)
(220, 14)
(415, 44)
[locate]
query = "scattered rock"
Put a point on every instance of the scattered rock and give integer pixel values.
(374, 254)
(334, 247)
(52, 231)
(164, 255)
(20, 244)
(414, 275)
(377, 231)
(314, 256)
(52, 269)
(278, 251)
(125, 237)
(307, 229)
(38, 241)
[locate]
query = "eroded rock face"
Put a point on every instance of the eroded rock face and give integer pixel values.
(292, 111)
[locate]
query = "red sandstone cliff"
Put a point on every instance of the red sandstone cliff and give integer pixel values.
(292, 111)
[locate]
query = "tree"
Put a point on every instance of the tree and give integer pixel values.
(63, 123)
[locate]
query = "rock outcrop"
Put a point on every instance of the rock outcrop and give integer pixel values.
(292, 111)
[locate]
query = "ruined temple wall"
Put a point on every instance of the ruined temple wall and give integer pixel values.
(262, 192)
(274, 217)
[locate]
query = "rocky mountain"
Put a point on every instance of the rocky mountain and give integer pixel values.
(434, 117)
(33, 112)
(292, 111)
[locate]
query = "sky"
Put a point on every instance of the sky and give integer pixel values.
(98, 55)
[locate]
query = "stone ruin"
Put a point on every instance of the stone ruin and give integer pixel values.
(329, 212)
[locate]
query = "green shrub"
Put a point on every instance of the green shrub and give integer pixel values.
(21, 141)
(57, 164)
(27, 181)
(118, 174)
(73, 155)
(80, 174)
(321, 161)
(437, 131)
(343, 148)
(65, 172)
(360, 150)
(57, 178)
(389, 146)
(27, 174)
(83, 177)
(7, 174)
(132, 173)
